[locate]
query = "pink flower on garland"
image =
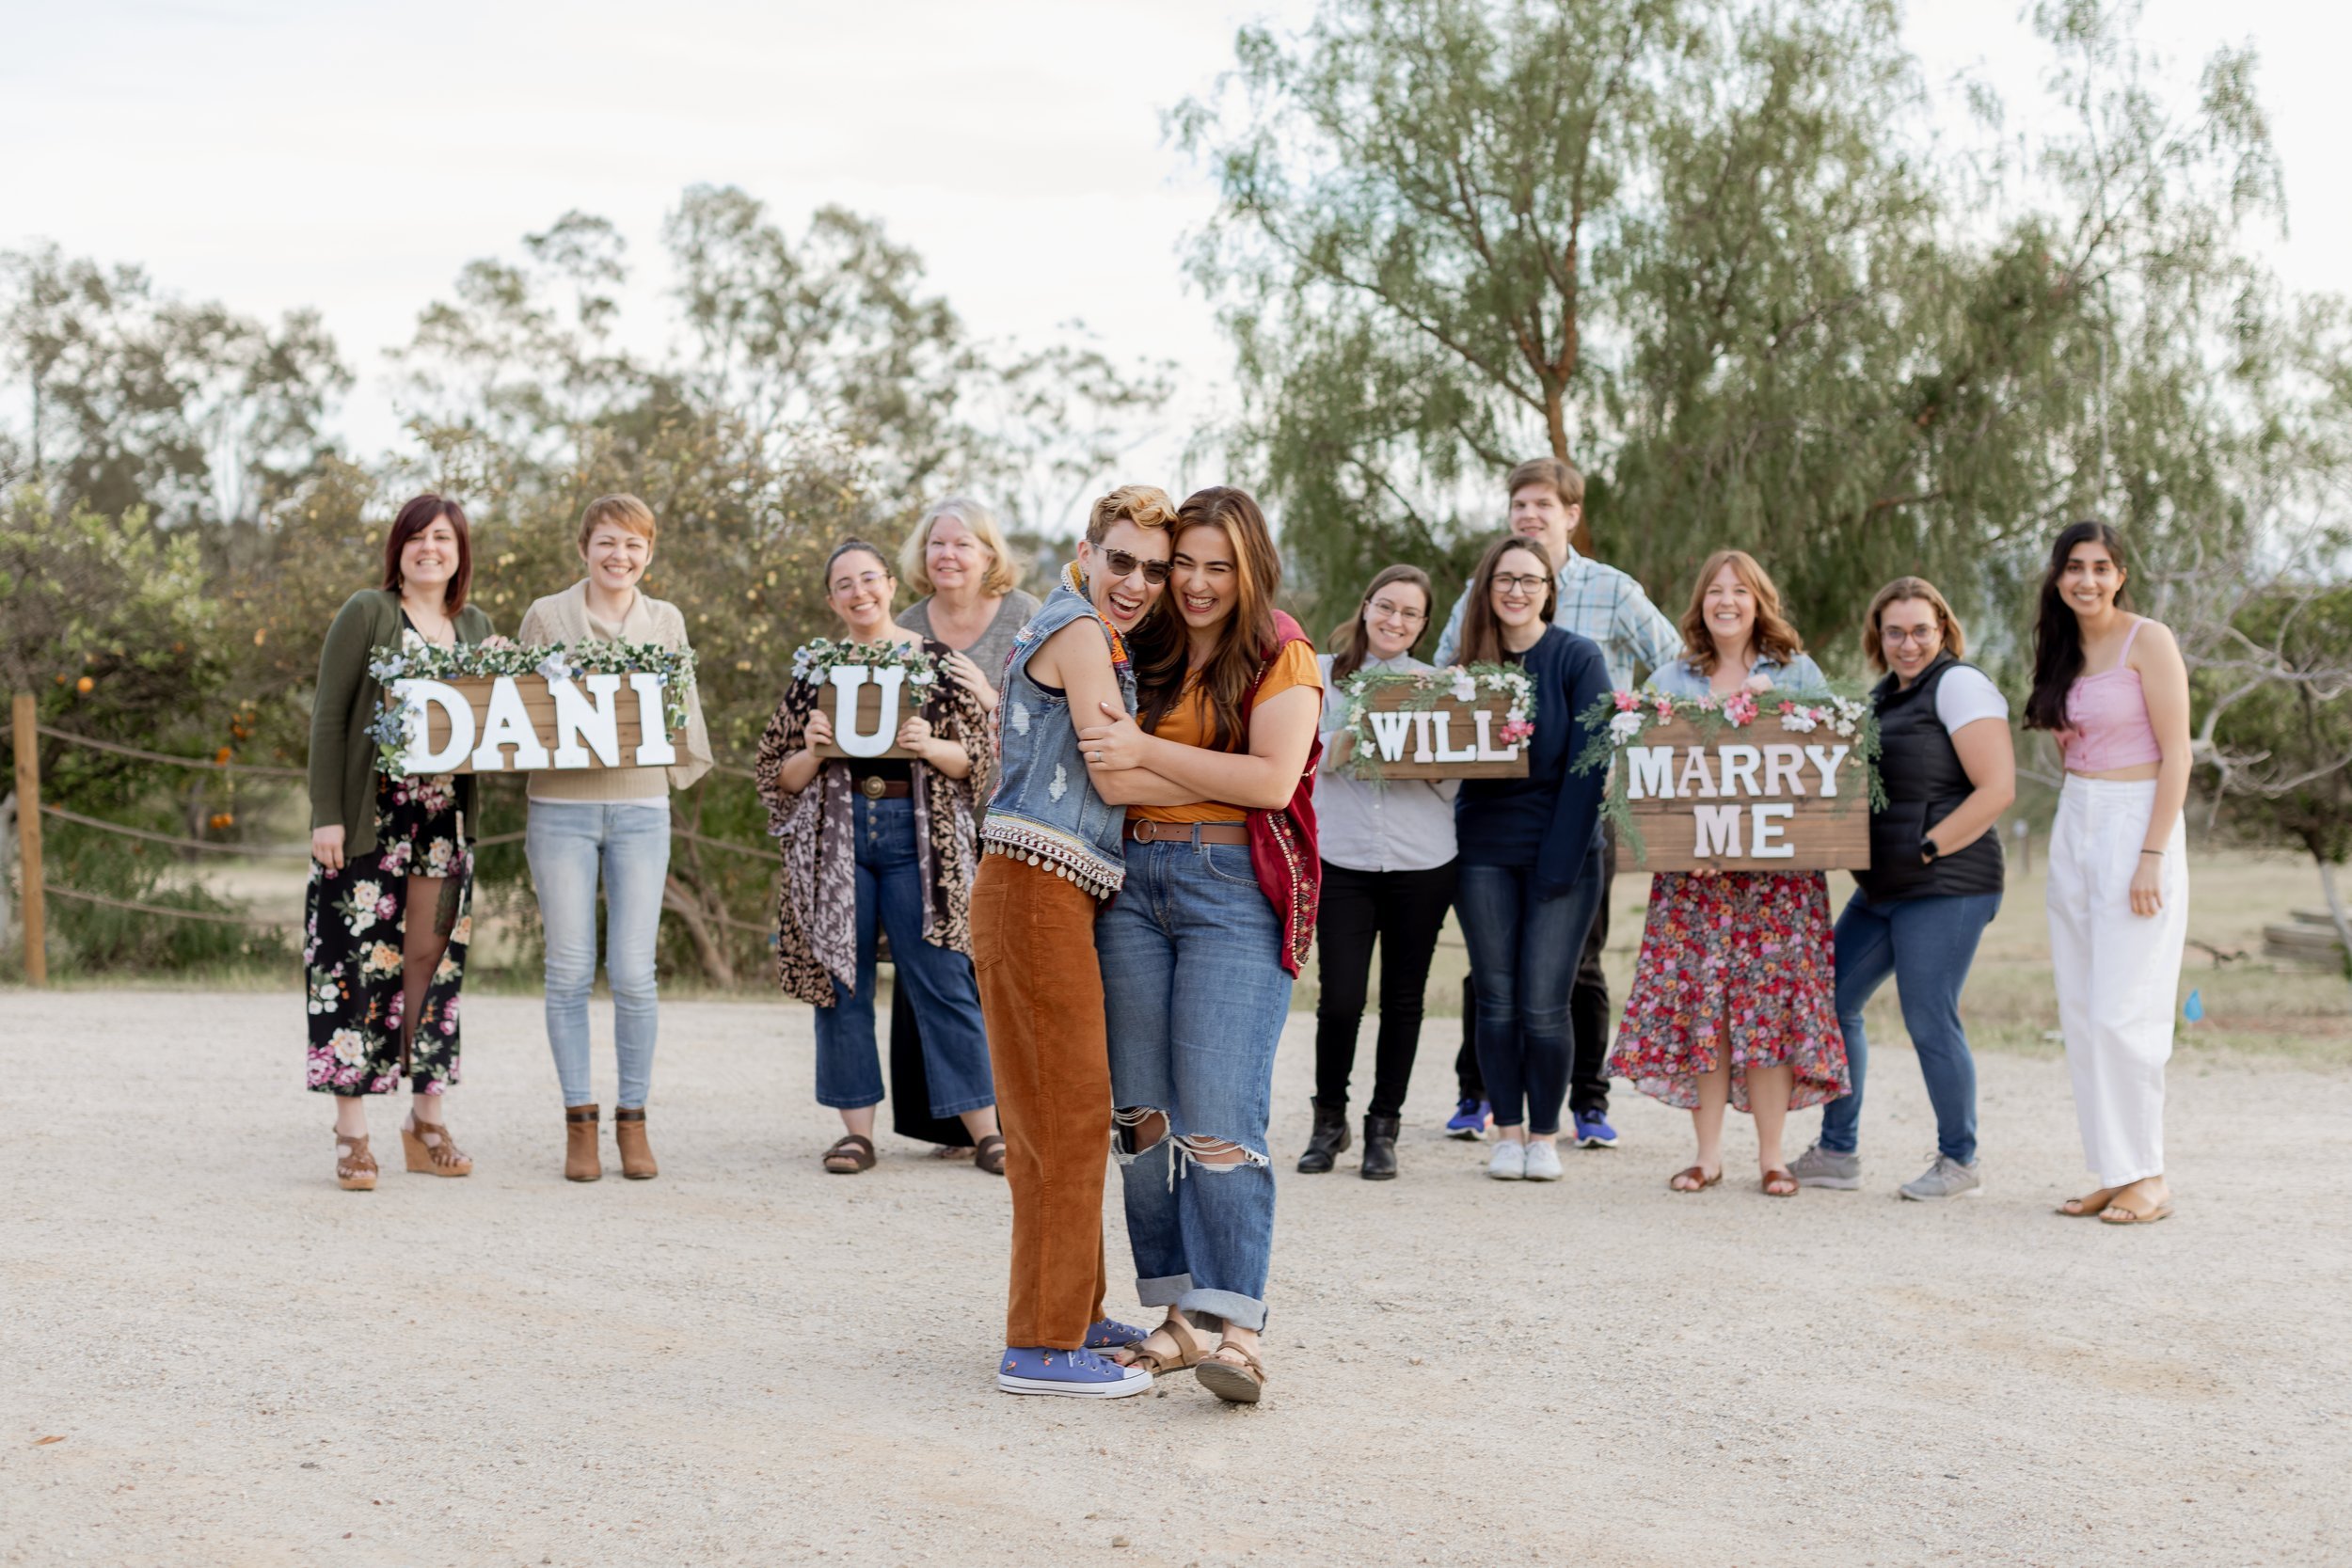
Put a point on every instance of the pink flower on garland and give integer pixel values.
(1628, 701)
(1740, 709)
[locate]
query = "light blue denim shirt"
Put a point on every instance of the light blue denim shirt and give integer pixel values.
(1396, 825)
(1681, 678)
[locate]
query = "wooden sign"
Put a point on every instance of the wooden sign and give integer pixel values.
(524, 723)
(1761, 797)
(865, 706)
(1413, 738)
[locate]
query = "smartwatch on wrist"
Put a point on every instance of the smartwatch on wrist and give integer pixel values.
(1927, 851)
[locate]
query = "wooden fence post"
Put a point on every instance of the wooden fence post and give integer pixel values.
(29, 841)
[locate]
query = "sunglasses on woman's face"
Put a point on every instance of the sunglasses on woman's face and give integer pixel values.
(1122, 565)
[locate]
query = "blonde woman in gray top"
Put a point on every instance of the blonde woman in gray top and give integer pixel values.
(613, 824)
(958, 560)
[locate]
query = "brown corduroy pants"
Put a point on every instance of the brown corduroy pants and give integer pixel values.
(1041, 994)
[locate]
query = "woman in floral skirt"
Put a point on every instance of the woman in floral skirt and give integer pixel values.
(381, 986)
(1733, 995)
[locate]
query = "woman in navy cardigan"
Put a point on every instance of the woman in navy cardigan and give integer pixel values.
(1530, 875)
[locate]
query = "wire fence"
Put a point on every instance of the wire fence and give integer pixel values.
(32, 809)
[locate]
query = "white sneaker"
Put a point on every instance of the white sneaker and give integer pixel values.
(1509, 1161)
(1543, 1161)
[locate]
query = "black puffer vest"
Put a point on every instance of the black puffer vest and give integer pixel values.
(1924, 783)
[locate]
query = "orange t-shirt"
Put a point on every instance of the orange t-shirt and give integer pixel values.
(1187, 723)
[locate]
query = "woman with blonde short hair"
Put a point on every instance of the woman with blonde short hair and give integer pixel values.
(972, 600)
(607, 825)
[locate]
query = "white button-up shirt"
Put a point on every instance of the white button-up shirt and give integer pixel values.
(1392, 825)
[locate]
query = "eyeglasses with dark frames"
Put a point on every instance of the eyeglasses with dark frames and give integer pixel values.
(1527, 584)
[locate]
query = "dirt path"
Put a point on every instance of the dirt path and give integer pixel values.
(750, 1362)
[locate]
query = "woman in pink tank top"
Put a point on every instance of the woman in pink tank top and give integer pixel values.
(2112, 688)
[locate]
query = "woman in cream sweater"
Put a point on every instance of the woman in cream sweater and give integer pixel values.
(613, 822)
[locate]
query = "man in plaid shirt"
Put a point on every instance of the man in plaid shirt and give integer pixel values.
(1635, 637)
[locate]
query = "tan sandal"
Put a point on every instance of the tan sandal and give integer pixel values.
(582, 1160)
(1191, 1350)
(1695, 1175)
(628, 1136)
(355, 1167)
(431, 1150)
(2090, 1205)
(849, 1155)
(2118, 1212)
(1240, 1382)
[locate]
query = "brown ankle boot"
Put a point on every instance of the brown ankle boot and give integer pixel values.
(581, 1160)
(628, 1132)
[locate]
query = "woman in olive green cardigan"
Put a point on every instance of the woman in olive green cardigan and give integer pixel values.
(381, 988)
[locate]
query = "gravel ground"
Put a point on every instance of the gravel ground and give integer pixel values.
(212, 1355)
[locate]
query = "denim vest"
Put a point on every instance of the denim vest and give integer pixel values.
(1045, 810)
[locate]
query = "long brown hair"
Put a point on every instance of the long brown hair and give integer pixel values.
(1351, 643)
(414, 518)
(1482, 632)
(1243, 643)
(2058, 635)
(1771, 637)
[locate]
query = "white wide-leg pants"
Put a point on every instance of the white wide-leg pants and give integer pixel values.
(2118, 973)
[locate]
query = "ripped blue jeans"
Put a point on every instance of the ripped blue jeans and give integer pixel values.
(1195, 996)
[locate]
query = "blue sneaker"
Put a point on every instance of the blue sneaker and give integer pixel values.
(1594, 1132)
(1470, 1119)
(1073, 1374)
(1110, 1334)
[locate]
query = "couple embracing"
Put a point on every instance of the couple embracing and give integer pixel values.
(1146, 895)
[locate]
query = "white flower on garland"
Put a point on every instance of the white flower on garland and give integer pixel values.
(1625, 726)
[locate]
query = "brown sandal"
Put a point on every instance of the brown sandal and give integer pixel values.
(431, 1150)
(1240, 1382)
(1777, 1182)
(849, 1155)
(1191, 1350)
(1696, 1176)
(355, 1167)
(990, 1155)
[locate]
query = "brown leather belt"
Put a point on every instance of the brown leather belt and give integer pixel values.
(875, 787)
(1145, 831)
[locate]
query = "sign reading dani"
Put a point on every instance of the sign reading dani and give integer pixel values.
(470, 726)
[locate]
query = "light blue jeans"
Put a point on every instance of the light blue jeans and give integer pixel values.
(572, 843)
(1195, 996)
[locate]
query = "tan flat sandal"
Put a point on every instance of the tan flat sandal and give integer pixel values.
(1240, 1382)
(1191, 1350)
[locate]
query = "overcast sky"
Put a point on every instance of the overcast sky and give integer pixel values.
(353, 157)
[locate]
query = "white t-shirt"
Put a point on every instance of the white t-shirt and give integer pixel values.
(1964, 695)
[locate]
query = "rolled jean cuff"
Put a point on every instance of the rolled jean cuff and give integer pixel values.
(1165, 1291)
(1231, 1306)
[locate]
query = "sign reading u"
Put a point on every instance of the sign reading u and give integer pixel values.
(881, 738)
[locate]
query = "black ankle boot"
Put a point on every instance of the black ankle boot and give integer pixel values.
(1327, 1140)
(1381, 1148)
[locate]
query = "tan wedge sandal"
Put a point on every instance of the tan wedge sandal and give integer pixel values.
(431, 1150)
(355, 1167)
(628, 1133)
(1191, 1349)
(582, 1160)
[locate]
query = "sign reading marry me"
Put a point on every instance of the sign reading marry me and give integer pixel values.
(866, 690)
(1455, 723)
(496, 708)
(1775, 784)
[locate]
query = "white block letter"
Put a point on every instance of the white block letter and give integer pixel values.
(413, 695)
(1487, 750)
(846, 680)
(1719, 831)
(508, 724)
(1649, 773)
(1447, 750)
(653, 730)
(1389, 731)
(577, 720)
(1694, 771)
(1764, 830)
(1825, 760)
(1784, 771)
(1420, 738)
(1740, 765)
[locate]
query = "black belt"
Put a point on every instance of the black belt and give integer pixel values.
(875, 787)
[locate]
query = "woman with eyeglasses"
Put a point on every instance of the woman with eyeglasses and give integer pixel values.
(1933, 883)
(1530, 875)
(887, 843)
(1388, 878)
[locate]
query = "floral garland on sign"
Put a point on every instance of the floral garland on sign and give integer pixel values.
(1425, 689)
(498, 656)
(817, 658)
(1620, 719)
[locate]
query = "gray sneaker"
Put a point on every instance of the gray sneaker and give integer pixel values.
(1946, 1178)
(1822, 1167)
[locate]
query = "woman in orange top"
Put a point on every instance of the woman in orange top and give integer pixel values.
(1199, 949)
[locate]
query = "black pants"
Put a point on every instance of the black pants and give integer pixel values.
(1402, 910)
(1589, 1013)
